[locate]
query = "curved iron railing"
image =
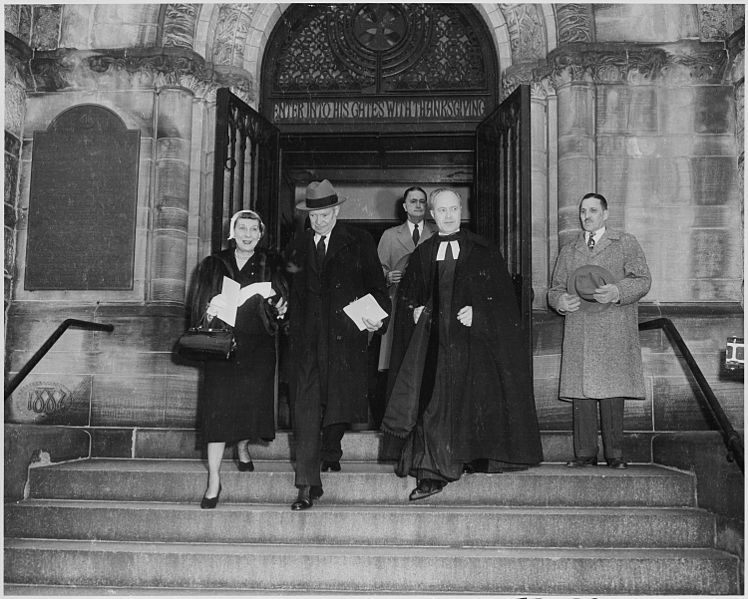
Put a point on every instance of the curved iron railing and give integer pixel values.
(729, 434)
(46, 346)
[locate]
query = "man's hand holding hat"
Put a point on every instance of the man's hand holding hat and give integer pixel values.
(568, 303)
(607, 294)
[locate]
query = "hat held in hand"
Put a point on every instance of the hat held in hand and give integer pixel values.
(583, 282)
(320, 195)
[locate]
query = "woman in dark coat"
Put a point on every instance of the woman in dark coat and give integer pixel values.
(236, 400)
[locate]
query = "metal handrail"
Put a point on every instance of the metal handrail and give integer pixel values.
(729, 434)
(47, 345)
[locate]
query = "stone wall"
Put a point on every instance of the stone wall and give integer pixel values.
(128, 377)
(17, 52)
(673, 401)
(650, 125)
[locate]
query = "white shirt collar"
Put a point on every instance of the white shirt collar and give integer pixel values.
(412, 225)
(327, 239)
(596, 234)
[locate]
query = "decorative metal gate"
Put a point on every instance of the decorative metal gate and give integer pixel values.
(503, 187)
(247, 166)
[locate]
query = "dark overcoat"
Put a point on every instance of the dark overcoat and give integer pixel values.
(351, 270)
(491, 389)
(601, 354)
(236, 396)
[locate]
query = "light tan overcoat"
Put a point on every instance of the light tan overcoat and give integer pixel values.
(394, 249)
(601, 354)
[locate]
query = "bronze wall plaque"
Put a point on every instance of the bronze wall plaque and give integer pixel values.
(83, 203)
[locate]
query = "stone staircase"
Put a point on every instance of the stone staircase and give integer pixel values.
(133, 526)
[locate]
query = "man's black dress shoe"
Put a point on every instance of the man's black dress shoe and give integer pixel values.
(208, 503)
(582, 462)
(333, 466)
(426, 488)
(306, 498)
(617, 463)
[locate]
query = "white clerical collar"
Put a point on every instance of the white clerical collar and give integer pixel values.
(441, 252)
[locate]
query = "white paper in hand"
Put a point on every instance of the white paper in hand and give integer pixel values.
(265, 289)
(365, 306)
(235, 296)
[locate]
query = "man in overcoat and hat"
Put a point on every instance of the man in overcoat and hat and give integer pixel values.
(329, 266)
(599, 278)
(462, 393)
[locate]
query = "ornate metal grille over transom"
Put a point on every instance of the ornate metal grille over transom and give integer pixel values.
(381, 48)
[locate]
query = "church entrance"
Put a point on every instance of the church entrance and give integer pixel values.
(378, 98)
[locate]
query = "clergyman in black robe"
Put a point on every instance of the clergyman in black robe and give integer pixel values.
(461, 393)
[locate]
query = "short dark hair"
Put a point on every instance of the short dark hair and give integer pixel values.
(597, 196)
(414, 188)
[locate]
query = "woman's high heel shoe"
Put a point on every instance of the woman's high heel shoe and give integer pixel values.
(244, 466)
(208, 503)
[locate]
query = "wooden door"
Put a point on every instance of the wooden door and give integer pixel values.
(502, 206)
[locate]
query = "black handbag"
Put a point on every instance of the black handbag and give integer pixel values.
(203, 343)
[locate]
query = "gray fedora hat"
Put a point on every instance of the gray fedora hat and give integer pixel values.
(320, 195)
(583, 282)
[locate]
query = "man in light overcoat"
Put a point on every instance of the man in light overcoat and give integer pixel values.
(394, 249)
(599, 278)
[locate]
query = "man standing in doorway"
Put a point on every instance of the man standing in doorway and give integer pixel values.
(462, 394)
(598, 281)
(395, 247)
(329, 266)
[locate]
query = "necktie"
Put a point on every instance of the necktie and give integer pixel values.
(416, 234)
(591, 241)
(321, 250)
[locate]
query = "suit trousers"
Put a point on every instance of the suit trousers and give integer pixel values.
(313, 442)
(611, 427)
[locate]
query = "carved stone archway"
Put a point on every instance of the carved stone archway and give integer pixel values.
(236, 35)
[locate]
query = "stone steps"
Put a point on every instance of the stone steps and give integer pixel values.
(133, 526)
(370, 568)
(361, 483)
(423, 525)
(156, 443)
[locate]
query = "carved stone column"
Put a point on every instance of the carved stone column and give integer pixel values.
(575, 92)
(171, 197)
(544, 149)
(736, 75)
(17, 54)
